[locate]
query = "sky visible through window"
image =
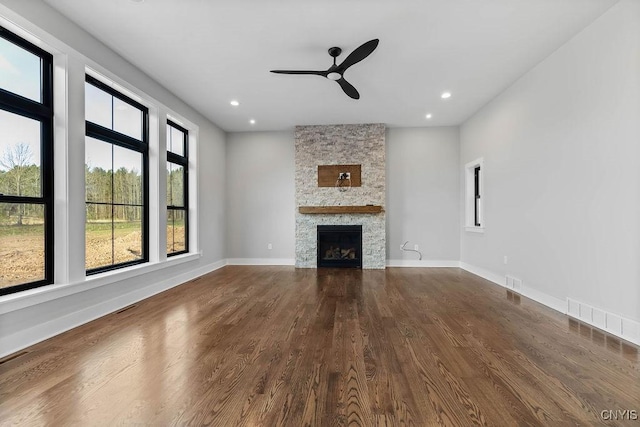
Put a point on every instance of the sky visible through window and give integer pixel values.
(125, 119)
(20, 73)
(24, 244)
(14, 131)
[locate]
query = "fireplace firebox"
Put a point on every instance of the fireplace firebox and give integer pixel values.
(340, 246)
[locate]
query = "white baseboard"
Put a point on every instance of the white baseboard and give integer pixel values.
(24, 338)
(21, 300)
(609, 322)
(485, 274)
(261, 261)
(614, 324)
(624, 328)
(421, 263)
(534, 294)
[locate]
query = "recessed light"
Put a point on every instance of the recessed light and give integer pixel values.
(234, 103)
(445, 95)
(136, 1)
(428, 116)
(252, 121)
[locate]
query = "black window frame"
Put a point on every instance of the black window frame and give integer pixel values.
(476, 196)
(107, 135)
(43, 112)
(184, 162)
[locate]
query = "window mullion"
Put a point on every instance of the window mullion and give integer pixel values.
(129, 212)
(14, 99)
(183, 162)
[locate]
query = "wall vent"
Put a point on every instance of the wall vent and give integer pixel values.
(573, 308)
(513, 283)
(509, 282)
(517, 284)
(619, 326)
(614, 323)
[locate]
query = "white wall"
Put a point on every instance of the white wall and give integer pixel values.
(422, 203)
(30, 316)
(562, 183)
(260, 197)
(422, 194)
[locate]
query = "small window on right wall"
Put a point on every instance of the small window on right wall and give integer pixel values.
(474, 193)
(177, 189)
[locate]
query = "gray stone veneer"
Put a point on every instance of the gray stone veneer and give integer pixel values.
(337, 145)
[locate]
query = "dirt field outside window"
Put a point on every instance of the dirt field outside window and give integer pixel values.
(22, 248)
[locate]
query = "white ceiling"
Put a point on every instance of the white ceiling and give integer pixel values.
(208, 52)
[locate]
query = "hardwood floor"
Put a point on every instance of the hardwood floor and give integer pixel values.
(279, 346)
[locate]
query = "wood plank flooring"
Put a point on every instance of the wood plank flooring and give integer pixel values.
(269, 346)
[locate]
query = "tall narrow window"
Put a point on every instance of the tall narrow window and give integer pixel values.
(116, 176)
(177, 189)
(476, 196)
(26, 164)
(474, 210)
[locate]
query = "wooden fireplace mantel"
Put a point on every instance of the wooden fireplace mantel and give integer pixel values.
(368, 209)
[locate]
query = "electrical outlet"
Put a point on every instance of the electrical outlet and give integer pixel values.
(416, 248)
(344, 175)
(505, 260)
(269, 246)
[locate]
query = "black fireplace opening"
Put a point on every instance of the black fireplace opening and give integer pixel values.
(340, 246)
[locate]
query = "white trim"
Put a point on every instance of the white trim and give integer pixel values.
(61, 221)
(422, 263)
(11, 343)
(485, 274)
(261, 261)
(622, 327)
(31, 297)
(474, 229)
(611, 323)
(194, 183)
(115, 86)
(469, 195)
(157, 190)
(544, 299)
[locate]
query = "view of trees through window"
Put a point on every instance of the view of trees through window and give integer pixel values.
(177, 180)
(26, 152)
(116, 173)
(21, 224)
(115, 164)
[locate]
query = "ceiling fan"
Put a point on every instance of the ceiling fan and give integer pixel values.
(336, 72)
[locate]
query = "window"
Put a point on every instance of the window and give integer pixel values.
(177, 189)
(473, 196)
(26, 165)
(476, 196)
(117, 181)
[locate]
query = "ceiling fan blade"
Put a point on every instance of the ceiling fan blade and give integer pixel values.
(359, 54)
(315, 73)
(348, 88)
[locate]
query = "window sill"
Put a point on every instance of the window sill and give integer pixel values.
(20, 300)
(474, 229)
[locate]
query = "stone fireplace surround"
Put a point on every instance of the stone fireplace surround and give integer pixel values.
(362, 144)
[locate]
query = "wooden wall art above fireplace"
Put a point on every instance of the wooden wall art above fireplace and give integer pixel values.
(328, 174)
